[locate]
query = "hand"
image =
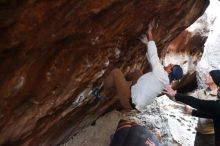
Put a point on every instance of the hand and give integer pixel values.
(149, 30)
(187, 110)
(151, 26)
(144, 39)
(149, 142)
(170, 92)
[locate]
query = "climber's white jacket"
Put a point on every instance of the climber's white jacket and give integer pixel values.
(151, 84)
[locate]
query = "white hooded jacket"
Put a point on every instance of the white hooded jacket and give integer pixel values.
(151, 84)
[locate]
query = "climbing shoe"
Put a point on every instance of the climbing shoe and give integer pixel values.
(96, 92)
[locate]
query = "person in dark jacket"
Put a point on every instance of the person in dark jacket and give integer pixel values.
(203, 108)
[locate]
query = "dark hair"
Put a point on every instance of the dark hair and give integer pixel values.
(215, 74)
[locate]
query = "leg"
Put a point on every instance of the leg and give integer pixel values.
(204, 140)
(117, 80)
(108, 84)
(197, 140)
(209, 139)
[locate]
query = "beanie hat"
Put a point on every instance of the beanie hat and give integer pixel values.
(176, 74)
(215, 74)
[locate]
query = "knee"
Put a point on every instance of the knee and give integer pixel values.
(116, 71)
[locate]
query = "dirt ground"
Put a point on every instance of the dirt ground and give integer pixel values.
(99, 134)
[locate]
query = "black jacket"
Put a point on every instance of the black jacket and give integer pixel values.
(204, 109)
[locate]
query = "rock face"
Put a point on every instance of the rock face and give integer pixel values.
(185, 50)
(53, 52)
(210, 59)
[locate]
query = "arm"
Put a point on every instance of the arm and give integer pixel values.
(197, 113)
(151, 46)
(201, 114)
(153, 55)
(209, 106)
(202, 105)
(154, 61)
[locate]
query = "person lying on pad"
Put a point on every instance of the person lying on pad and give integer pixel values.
(131, 134)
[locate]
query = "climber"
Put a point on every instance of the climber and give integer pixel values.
(202, 108)
(144, 87)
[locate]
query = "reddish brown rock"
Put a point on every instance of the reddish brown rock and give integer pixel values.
(187, 42)
(190, 44)
(52, 51)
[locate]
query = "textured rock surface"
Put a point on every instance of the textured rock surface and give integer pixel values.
(210, 59)
(186, 50)
(52, 52)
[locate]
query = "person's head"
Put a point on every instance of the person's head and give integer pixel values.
(208, 80)
(215, 75)
(175, 72)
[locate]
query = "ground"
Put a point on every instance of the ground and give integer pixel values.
(164, 117)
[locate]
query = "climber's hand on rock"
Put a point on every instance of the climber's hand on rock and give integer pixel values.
(150, 29)
(143, 39)
(151, 26)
